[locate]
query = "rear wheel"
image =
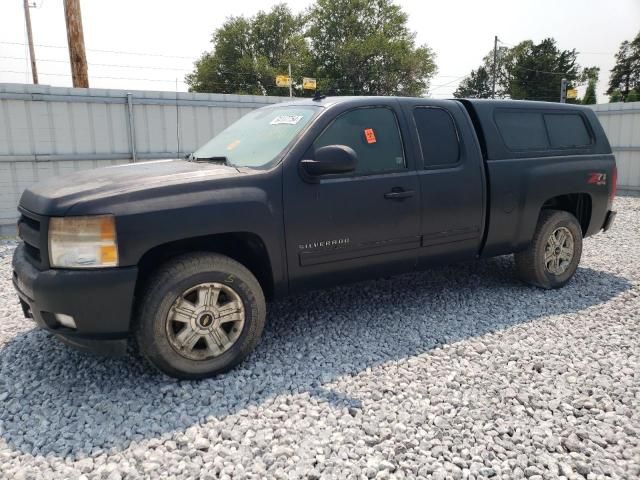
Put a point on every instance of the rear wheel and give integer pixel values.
(201, 314)
(553, 256)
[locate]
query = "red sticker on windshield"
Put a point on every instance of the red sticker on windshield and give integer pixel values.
(370, 135)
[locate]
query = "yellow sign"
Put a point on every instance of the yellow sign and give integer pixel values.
(308, 83)
(572, 93)
(283, 81)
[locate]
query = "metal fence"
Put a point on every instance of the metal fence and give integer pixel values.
(47, 131)
(621, 122)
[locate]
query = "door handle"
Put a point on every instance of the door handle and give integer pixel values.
(398, 194)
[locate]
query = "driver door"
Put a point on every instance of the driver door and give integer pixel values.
(356, 225)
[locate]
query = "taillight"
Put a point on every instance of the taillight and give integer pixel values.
(614, 183)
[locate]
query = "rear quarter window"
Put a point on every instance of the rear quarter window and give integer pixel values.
(538, 130)
(567, 130)
(522, 130)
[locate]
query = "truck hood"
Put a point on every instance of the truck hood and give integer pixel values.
(57, 195)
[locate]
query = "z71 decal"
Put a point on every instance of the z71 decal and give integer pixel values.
(597, 179)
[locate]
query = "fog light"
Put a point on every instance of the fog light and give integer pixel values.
(65, 320)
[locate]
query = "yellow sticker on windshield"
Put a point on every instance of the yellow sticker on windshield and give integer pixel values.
(233, 145)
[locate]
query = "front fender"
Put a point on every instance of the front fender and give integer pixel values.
(152, 218)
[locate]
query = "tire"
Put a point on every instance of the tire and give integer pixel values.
(200, 315)
(534, 265)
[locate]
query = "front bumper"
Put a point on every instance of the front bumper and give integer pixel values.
(100, 301)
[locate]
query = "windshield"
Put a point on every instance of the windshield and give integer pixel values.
(258, 138)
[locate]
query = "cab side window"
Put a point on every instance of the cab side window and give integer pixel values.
(374, 135)
(438, 136)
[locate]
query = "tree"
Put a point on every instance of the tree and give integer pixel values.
(625, 75)
(530, 71)
(357, 47)
(633, 96)
(616, 96)
(590, 75)
(364, 47)
(248, 53)
(590, 95)
(479, 83)
(536, 70)
(476, 85)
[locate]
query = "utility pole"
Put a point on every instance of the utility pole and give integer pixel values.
(290, 83)
(32, 52)
(563, 90)
(75, 39)
(493, 68)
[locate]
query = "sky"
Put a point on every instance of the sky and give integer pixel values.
(152, 44)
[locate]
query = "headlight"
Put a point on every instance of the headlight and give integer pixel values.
(83, 242)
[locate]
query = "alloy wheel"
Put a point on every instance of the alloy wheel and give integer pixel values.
(205, 321)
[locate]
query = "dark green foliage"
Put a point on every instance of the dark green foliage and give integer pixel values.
(526, 71)
(355, 47)
(476, 85)
(590, 75)
(249, 53)
(536, 70)
(625, 75)
(590, 95)
(364, 47)
(633, 96)
(616, 96)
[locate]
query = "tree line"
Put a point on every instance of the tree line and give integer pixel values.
(352, 47)
(534, 71)
(364, 47)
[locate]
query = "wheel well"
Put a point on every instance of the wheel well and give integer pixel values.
(578, 204)
(246, 248)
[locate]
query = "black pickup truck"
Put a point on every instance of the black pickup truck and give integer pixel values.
(181, 255)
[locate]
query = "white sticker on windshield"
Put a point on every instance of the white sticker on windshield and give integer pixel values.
(286, 119)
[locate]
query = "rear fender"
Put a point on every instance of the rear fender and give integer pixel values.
(521, 187)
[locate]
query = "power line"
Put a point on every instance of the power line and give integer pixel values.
(261, 85)
(260, 81)
(436, 87)
(94, 76)
(145, 54)
(187, 70)
(50, 60)
(541, 71)
(577, 51)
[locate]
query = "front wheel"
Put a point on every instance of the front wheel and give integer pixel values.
(553, 256)
(201, 314)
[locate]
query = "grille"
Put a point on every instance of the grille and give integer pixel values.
(29, 230)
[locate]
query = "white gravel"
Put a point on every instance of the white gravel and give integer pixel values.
(459, 372)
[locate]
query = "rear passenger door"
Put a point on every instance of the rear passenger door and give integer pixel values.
(451, 178)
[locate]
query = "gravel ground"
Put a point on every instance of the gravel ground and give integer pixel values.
(459, 372)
